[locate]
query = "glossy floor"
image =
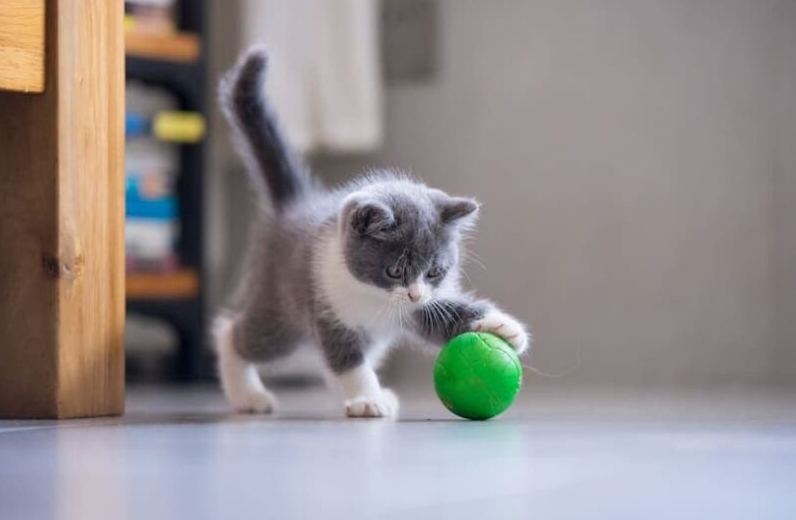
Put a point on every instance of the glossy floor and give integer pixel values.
(178, 453)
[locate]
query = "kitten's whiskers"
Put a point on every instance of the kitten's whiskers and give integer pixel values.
(471, 257)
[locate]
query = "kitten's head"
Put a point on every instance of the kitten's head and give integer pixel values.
(404, 238)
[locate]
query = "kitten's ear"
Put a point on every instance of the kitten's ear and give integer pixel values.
(458, 209)
(369, 217)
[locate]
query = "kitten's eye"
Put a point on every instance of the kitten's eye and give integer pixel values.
(435, 272)
(395, 271)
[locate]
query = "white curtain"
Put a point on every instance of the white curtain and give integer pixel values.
(325, 76)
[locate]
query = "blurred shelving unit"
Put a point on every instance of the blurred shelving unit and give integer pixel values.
(177, 62)
(182, 284)
(182, 47)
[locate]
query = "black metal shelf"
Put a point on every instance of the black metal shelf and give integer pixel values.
(187, 315)
(185, 79)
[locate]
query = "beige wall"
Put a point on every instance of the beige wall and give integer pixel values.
(637, 167)
(784, 95)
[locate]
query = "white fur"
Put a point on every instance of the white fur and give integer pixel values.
(501, 324)
(364, 396)
(239, 379)
(378, 351)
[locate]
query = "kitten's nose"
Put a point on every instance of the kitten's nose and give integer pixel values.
(415, 293)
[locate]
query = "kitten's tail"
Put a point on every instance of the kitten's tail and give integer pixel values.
(272, 168)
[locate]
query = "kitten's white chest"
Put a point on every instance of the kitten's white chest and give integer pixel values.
(356, 309)
(355, 304)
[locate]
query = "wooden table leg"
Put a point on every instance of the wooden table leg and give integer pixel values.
(61, 223)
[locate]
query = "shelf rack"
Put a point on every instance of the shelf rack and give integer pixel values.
(182, 284)
(183, 47)
(178, 64)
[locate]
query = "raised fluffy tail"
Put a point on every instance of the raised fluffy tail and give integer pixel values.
(272, 167)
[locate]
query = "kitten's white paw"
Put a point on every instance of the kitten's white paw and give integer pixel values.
(251, 399)
(505, 326)
(384, 405)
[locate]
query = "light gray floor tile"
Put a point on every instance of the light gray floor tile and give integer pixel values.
(178, 453)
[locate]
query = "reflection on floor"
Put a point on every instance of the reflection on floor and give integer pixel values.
(178, 453)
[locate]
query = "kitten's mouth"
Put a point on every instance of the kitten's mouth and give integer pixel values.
(407, 301)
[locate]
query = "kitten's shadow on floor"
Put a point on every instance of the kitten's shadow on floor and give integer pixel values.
(204, 418)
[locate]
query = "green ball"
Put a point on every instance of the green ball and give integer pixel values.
(477, 375)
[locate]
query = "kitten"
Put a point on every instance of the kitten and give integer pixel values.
(349, 270)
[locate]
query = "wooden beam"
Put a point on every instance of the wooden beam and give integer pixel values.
(61, 223)
(22, 45)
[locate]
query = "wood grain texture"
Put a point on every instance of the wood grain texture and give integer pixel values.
(61, 223)
(22, 45)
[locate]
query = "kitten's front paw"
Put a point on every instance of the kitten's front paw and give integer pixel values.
(384, 405)
(251, 399)
(501, 324)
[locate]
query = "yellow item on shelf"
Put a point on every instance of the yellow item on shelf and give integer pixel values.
(181, 127)
(148, 25)
(129, 22)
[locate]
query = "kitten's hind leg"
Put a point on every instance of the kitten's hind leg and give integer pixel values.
(239, 378)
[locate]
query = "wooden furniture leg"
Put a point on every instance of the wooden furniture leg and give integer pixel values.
(62, 215)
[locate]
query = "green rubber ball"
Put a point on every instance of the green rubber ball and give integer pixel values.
(477, 375)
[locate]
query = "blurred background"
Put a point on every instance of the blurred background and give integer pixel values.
(636, 161)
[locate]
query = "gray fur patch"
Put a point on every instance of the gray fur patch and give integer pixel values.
(443, 319)
(403, 227)
(272, 166)
(343, 348)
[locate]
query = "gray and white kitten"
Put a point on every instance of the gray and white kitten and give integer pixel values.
(349, 270)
